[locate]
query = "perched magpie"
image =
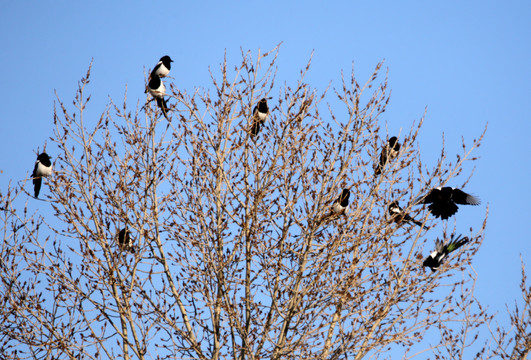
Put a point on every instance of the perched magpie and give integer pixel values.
(398, 215)
(443, 201)
(389, 152)
(260, 113)
(436, 258)
(43, 167)
(340, 205)
(157, 89)
(163, 67)
(125, 241)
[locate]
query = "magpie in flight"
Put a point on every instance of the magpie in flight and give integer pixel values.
(443, 201)
(441, 251)
(389, 152)
(125, 241)
(157, 89)
(260, 113)
(43, 167)
(398, 215)
(163, 67)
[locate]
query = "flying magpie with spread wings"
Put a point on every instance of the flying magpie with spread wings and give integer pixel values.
(443, 201)
(435, 259)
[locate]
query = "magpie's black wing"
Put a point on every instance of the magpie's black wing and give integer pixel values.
(461, 197)
(430, 197)
(34, 174)
(159, 64)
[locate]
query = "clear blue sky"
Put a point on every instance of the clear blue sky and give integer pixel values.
(468, 62)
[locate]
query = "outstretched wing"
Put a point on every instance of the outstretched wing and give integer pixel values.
(439, 246)
(461, 197)
(427, 198)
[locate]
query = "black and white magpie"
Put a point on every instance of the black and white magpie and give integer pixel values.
(398, 215)
(340, 205)
(125, 241)
(389, 152)
(157, 89)
(260, 113)
(435, 259)
(443, 201)
(43, 167)
(163, 67)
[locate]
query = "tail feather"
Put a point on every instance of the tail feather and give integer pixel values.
(416, 222)
(419, 223)
(163, 105)
(444, 211)
(256, 127)
(37, 181)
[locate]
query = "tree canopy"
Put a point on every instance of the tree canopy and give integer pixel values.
(190, 234)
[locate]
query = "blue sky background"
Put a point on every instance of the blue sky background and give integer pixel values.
(467, 62)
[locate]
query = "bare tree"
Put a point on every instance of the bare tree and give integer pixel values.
(515, 343)
(234, 251)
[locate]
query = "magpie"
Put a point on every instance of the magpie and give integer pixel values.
(157, 89)
(443, 201)
(435, 259)
(43, 167)
(163, 67)
(125, 241)
(260, 113)
(340, 205)
(389, 152)
(398, 215)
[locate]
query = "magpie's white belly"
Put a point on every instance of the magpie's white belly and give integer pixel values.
(158, 93)
(162, 71)
(262, 116)
(43, 170)
(338, 209)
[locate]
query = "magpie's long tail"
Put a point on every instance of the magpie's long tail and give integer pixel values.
(163, 105)
(37, 181)
(416, 222)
